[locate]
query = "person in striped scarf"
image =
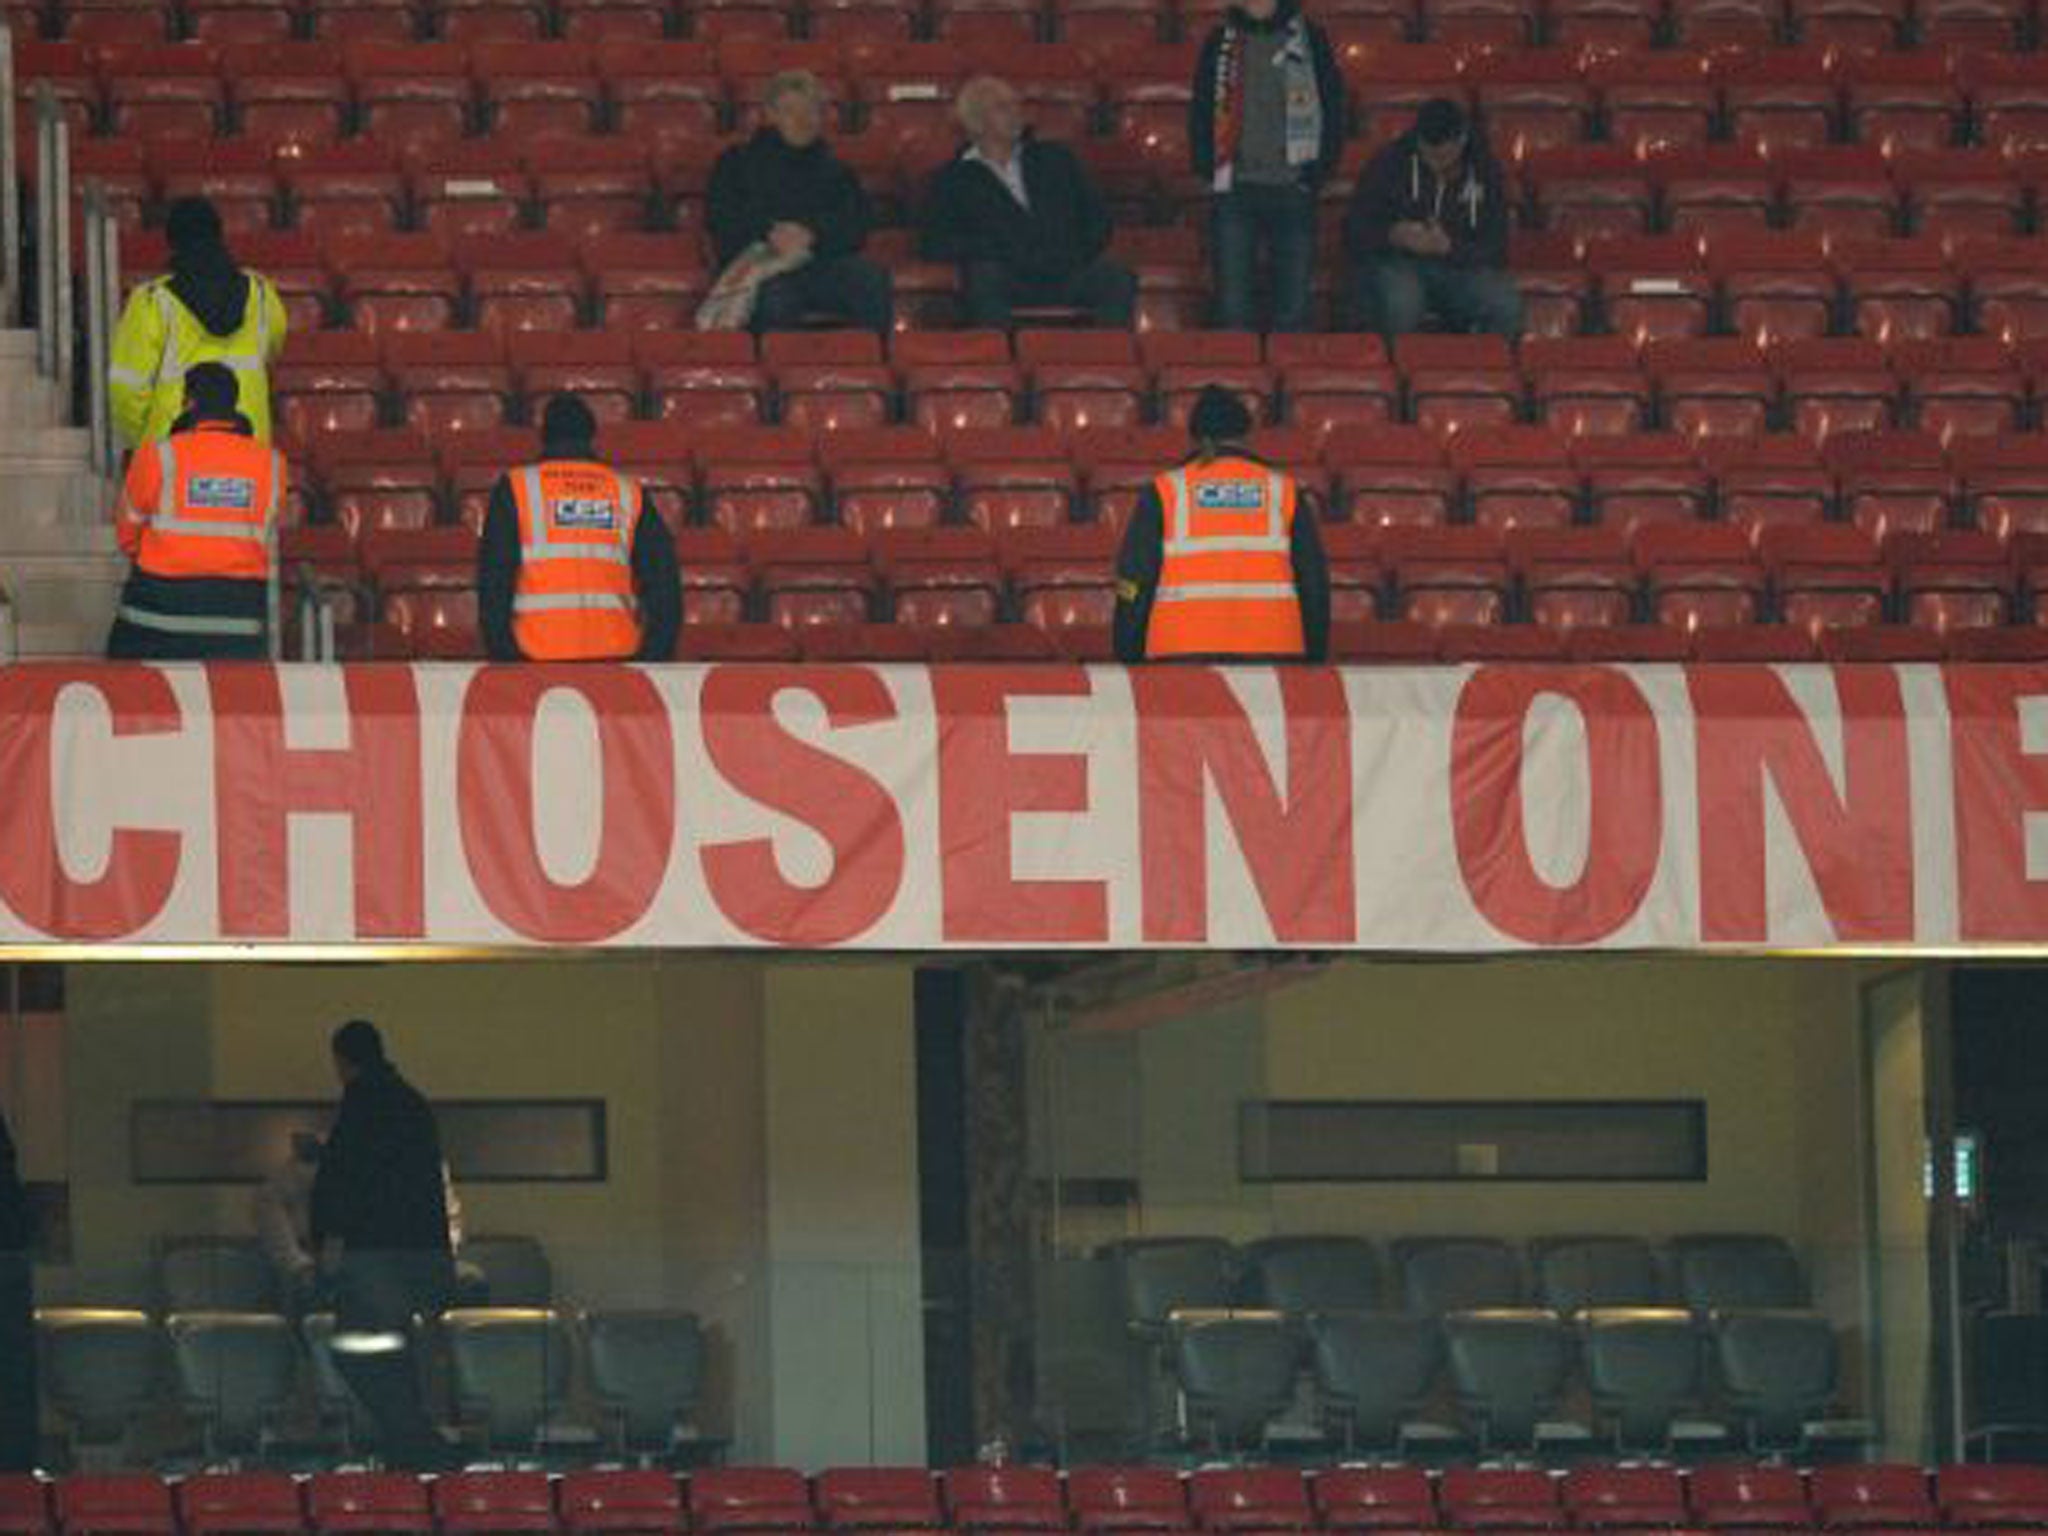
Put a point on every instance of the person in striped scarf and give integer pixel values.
(1265, 126)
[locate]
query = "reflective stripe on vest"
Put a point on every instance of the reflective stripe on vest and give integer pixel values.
(574, 598)
(1226, 580)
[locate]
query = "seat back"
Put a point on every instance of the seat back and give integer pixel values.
(1509, 1366)
(1237, 1374)
(99, 1367)
(510, 1367)
(1455, 1274)
(215, 1274)
(237, 1369)
(1313, 1274)
(1155, 1276)
(1574, 1273)
(1643, 1364)
(648, 1367)
(1371, 1367)
(1778, 1369)
(1720, 1270)
(515, 1267)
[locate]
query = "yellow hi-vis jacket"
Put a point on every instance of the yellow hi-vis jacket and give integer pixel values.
(159, 338)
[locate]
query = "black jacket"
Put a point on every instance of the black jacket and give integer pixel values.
(1144, 552)
(1329, 86)
(379, 1187)
(17, 1229)
(656, 580)
(764, 182)
(205, 279)
(970, 215)
(1396, 186)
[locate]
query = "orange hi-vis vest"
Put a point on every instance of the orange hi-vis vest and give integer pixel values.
(574, 600)
(1226, 583)
(202, 503)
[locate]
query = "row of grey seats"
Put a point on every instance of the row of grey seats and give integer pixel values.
(1660, 1379)
(518, 1377)
(1435, 1275)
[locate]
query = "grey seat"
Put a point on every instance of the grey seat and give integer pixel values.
(1780, 1371)
(1373, 1370)
(214, 1274)
(510, 1369)
(515, 1268)
(1574, 1273)
(647, 1369)
(1457, 1274)
(236, 1371)
(1236, 1374)
(1738, 1270)
(1300, 1275)
(1646, 1370)
(1509, 1367)
(2008, 1355)
(100, 1369)
(1158, 1276)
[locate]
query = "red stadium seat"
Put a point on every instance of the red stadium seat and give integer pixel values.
(352, 189)
(1900, 290)
(25, 1505)
(596, 365)
(1781, 98)
(537, 88)
(1327, 381)
(238, 177)
(705, 381)
(2008, 289)
(1448, 576)
(1391, 476)
(1586, 385)
(1826, 576)
(1776, 479)
(366, 1503)
(1655, 102)
(327, 381)
(1478, 1498)
(488, 1503)
(2009, 97)
(1893, 481)
(385, 478)
(287, 94)
(829, 381)
(1083, 379)
(164, 92)
(450, 381)
(1400, 77)
(1127, 1499)
(1957, 194)
(469, 190)
(1517, 477)
(1573, 577)
(664, 95)
(1535, 100)
(1250, 1499)
(523, 282)
(240, 1504)
(1459, 383)
(1591, 192)
(1724, 24)
(1777, 287)
(1839, 192)
(1653, 288)
(888, 477)
(1716, 191)
(1837, 384)
(413, 96)
(1375, 1499)
(1885, 1495)
(943, 578)
(819, 576)
(621, 1502)
(598, 22)
(1992, 1495)
(716, 584)
(645, 282)
(1646, 478)
(761, 478)
(1718, 387)
(1699, 575)
(1556, 289)
(1951, 580)
(1961, 387)
(1904, 101)
(958, 379)
(115, 1504)
(396, 282)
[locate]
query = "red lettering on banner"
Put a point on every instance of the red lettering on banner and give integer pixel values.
(1193, 731)
(1626, 803)
(848, 808)
(1858, 842)
(983, 785)
(142, 866)
(635, 795)
(260, 783)
(1998, 785)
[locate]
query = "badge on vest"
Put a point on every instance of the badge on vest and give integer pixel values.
(584, 512)
(1230, 495)
(220, 493)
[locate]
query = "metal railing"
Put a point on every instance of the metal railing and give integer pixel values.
(10, 188)
(55, 341)
(10, 626)
(102, 313)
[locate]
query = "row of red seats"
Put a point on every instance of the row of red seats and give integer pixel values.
(428, 95)
(1105, 26)
(1021, 1498)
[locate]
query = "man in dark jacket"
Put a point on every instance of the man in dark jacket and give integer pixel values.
(1265, 127)
(1427, 231)
(1222, 611)
(1021, 218)
(17, 1317)
(379, 1195)
(786, 189)
(568, 437)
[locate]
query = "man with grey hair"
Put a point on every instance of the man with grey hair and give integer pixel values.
(1021, 218)
(785, 189)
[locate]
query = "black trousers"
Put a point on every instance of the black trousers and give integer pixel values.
(377, 1296)
(1105, 288)
(18, 1441)
(849, 288)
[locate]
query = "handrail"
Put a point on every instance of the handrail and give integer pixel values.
(316, 616)
(10, 188)
(10, 627)
(53, 241)
(102, 295)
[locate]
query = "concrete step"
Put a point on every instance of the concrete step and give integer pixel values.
(63, 604)
(39, 495)
(44, 444)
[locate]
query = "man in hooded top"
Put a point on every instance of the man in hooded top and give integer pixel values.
(1221, 559)
(204, 310)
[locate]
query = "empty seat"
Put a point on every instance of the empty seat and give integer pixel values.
(493, 1503)
(115, 1504)
(1573, 1273)
(1379, 1498)
(510, 1370)
(1572, 579)
(365, 1503)
(1302, 1275)
(1454, 1274)
(1779, 1373)
(209, 1274)
(1625, 1496)
(1645, 1371)
(1235, 1372)
(1992, 1495)
(750, 1498)
(1717, 1270)
(1127, 1499)
(1500, 1498)
(25, 1505)
(1005, 1499)
(1159, 1276)
(236, 1372)
(1372, 1372)
(636, 1502)
(1700, 576)
(1509, 1367)
(1252, 1498)
(241, 1504)
(516, 1269)
(99, 1371)
(647, 1372)
(1888, 1495)
(1727, 1497)
(868, 1498)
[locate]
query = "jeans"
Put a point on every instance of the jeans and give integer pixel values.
(1283, 221)
(850, 288)
(1105, 288)
(377, 1293)
(1394, 293)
